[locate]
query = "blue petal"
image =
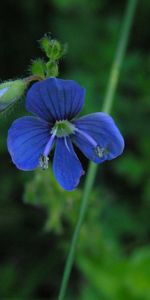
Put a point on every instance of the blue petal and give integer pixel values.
(26, 141)
(103, 130)
(66, 166)
(55, 99)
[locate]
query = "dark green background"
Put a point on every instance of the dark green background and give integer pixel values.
(37, 218)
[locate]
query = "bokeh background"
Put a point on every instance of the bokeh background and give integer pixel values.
(37, 218)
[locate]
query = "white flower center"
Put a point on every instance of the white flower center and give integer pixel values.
(63, 128)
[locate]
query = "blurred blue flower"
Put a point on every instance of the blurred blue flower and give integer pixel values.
(55, 103)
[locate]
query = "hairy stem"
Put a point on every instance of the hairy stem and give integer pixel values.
(32, 78)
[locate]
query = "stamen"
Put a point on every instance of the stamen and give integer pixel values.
(43, 160)
(66, 144)
(99, 151)
(87, 137)
(49, 144)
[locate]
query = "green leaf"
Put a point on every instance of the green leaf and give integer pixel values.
(44, 191)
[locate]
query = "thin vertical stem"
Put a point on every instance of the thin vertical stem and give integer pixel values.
(119, 56)
(108, 101)
(69, 262)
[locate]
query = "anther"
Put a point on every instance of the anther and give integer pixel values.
(43, 161)
(100, 151)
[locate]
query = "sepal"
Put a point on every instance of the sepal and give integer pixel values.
(52, 69)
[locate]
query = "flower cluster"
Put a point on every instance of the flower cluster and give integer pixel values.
(54, 104)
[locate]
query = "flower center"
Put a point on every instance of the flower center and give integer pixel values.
(63, 128)
(60, 129)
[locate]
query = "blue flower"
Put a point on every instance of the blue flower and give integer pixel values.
(55, 103)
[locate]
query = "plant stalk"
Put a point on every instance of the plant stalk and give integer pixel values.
(107, 106)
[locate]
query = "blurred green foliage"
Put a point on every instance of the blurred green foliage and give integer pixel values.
(37, 217)
(44, 191)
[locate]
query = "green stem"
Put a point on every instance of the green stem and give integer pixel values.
(108, 101)
(32, 78)
(69, 262)
(119, 56)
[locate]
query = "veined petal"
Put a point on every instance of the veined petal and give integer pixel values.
(66, 165)
(102, 129)
(55, 99)
(27, 138)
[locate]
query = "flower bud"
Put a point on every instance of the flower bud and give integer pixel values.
(12, 90)
(38, 68)
(52, 69)
(52, 48)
